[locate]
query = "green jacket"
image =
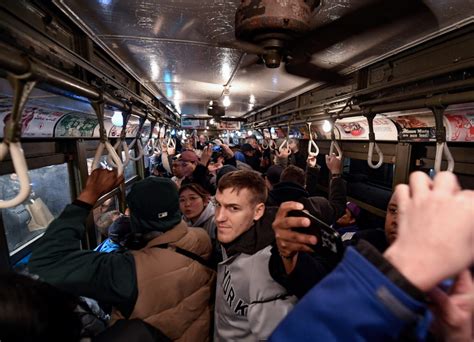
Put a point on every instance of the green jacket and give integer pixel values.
(59, 260)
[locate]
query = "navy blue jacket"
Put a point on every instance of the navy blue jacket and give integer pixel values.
(360, 300)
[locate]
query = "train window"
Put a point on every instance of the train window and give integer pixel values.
(49, 195)
(371, 186)
(129, 171)
(104, 214)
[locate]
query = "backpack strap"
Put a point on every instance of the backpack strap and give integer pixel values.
(186, 253)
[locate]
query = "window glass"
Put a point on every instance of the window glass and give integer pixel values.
(50, 193)
(372, 186)
(129, 171)
(104, 215)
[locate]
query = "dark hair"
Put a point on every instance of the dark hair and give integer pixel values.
(293, 174)
(195, 188)
(36, 311)
(243, 179)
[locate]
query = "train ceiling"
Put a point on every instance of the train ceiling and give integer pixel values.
(183, 50)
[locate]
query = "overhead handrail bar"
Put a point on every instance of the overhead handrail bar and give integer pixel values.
(121, 143)
(138, 141)
(313, 149)
(104, 142)
(22, 86)
(441, 145)
(372, 144)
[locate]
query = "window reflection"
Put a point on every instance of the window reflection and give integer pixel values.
(50, 193)
(129, 171)
(372, 186)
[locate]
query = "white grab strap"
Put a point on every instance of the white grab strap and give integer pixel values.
(115, 158)
(440, 149)
(335, 145)
(140, 149)
(313, 149)
(371, 153)
(21, 169)
(284, 145)
(120, 145)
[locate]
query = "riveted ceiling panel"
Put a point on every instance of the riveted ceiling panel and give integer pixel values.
(173, 46)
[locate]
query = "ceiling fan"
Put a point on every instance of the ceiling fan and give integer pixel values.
(279, 31)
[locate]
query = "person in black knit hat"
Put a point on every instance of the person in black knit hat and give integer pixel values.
(167, 273)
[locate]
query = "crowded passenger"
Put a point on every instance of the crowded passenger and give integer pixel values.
(347, 223)
(383, 296)
(194, 171)
(249, 304)
(165, 280)
(272, 176)
(197, 208)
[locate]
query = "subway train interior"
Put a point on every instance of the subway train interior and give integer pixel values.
(388, 86)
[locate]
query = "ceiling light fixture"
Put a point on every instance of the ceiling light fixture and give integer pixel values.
(226, 101)
(117, 119)
(327, 126)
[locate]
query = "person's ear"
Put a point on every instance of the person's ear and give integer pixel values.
(259, 211)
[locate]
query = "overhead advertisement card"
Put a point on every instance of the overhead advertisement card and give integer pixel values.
(35, 122)
(357, 128)
(229, 125)
(76, 125)
(193, 123)
(419, 127)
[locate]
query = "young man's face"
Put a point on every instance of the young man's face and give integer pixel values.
(235, 213)
(391, 224)
(293, 145)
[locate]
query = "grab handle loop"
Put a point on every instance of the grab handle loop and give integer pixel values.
(157, 142)
(22, 86)
(441, 145)
(138, 141)
(373, 144)
(334, 143)
(313, 149)
(284, 145)
(104, 143)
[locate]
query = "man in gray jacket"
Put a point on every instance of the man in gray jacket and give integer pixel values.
(249, 303)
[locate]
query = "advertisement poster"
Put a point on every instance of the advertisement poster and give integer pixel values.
(358, 129)
(460, 127)
(319, 133)
(35, 122)
(193, 124)
(420, 127)
(131, 131)
(230, 125)
(76, 125)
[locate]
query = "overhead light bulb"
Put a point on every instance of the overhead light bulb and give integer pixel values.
(252, 99)
(249, 133)
(212, 121)
(117, 119)
(226, 102)
(173, 132)
(327, 126)
(207, 127)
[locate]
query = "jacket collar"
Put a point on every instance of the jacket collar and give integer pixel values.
(172, 235)
(259, 236)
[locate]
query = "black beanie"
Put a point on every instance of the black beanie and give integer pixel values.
(154, 205)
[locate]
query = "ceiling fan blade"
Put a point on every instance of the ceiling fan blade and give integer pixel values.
(372, 16)
(313, 72)
(243, 46)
